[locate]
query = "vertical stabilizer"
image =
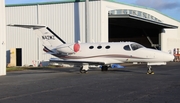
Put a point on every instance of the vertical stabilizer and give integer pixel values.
(45, 34)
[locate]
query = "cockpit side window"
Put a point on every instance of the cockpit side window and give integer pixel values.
(127, 48)
(136, 46)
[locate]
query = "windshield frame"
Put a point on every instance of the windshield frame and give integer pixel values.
(136, 46)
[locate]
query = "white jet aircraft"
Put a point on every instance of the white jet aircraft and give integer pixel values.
(105, 54)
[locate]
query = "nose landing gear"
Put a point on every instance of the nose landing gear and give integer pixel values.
(150, 71)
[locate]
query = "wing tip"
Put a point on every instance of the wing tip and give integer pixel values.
(10, 24)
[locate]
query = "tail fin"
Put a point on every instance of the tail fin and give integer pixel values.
(48, 37)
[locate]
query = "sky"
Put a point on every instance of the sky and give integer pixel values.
(170, 8)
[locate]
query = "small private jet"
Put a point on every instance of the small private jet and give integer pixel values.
(104, 54)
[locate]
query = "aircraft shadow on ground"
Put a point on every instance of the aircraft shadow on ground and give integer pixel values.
(118, 70)
(42, 70)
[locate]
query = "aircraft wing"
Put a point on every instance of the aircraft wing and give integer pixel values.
(77, 62)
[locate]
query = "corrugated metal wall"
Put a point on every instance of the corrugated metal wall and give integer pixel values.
(65, 19)
(19, 37)
(2, 39)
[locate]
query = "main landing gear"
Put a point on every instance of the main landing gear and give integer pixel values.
(150, 71)
(84, 68)
(82, 71)
(104, 68)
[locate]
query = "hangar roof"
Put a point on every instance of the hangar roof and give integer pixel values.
(71, 1)
(143, 8)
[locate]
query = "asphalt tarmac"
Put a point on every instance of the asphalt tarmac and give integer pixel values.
(66, 85)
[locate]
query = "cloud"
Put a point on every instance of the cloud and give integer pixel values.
(159, 4)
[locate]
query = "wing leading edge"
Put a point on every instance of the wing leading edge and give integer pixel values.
(28, 26)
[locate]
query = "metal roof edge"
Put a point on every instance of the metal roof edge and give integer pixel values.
(46, 3)
(143, 8)
(40, 3)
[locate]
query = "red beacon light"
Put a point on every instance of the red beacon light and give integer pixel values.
(76, 47)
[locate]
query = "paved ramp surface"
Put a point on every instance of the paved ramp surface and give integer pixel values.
(67, 85)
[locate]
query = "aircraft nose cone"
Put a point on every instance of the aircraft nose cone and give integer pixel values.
(169, 57)
(172, 57)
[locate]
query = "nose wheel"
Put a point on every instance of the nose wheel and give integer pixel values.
(150, 71)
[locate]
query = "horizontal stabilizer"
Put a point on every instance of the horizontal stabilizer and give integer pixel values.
(28, 26)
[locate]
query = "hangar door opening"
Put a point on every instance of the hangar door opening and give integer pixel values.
(136, 26)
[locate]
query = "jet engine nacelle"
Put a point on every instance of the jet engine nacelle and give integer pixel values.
(68, 48)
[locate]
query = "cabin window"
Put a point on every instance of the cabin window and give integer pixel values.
(107, 47)
(99, 47)
(91, 47)
(126, 47)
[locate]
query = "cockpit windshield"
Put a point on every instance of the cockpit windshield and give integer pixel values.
(136, 46)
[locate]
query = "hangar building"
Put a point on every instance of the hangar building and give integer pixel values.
(109, 21)
(2, 39)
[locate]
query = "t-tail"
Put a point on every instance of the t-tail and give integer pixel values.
(45, 34)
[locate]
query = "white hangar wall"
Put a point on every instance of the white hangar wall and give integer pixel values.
(170, 38)
(2, 39)
(66, 19)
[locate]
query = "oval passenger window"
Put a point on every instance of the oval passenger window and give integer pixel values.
(91, 47)
(99, 47)
(107, 47)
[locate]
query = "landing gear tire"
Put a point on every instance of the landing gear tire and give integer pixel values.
(150, 71)
(104, 68)
(82, 71)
